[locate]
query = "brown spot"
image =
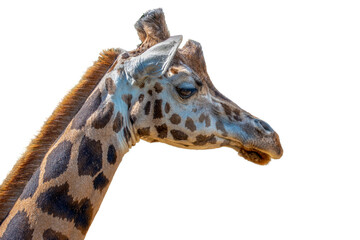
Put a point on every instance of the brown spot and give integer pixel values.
(190, 124)
(220, 126)
(111, 154)
(87, 110)
(30, 187)
(110, 85)
(201, 140)
(237, 116)
(127, 99)
(174, 70)
(57, 161)
(125, 55)
(194, 110)
(157, 109)
(141, 98)
(167, 107)
(147, 108)
(205, 118)
(178, 135)
(175, 119)
(227, 109)
(158, 88)
(103, 116)
(143, 131)
(100, 182)
(19, 227)
(236, 112)
(142, 85)
(89, 157)
(57, 201)
(202, 118)
(162, 130)
(150, 92)
(50, 234)
(118, 122)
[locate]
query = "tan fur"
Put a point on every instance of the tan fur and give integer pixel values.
(16, 180)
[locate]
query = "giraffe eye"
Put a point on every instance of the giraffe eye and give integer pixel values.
(186, 90)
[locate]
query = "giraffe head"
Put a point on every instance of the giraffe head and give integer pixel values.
(176, 103)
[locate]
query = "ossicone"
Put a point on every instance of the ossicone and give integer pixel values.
(152, 28)
(194, 57)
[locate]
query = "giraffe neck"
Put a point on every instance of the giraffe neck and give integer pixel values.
(64, 194)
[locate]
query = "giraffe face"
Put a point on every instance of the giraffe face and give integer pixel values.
(176, 110)
(177, 104)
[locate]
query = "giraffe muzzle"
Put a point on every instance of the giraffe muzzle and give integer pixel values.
(256, 141)
(262, 151)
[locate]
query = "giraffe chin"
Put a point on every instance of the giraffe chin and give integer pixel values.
(255, 156)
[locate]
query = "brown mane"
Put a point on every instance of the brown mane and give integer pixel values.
(24, 168)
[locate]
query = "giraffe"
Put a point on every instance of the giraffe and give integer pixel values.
(158, 93)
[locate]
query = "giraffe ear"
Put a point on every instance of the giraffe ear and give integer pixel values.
(155, 61)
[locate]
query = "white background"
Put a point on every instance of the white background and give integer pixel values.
(295, 64)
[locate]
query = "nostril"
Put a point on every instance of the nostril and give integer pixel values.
(264, 125)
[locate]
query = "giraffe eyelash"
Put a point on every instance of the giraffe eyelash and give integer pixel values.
(186, 90)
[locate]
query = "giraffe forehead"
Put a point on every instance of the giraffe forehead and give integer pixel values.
(182, 73)
(176, 73)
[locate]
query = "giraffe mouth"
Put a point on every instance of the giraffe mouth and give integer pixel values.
(251, 154)
(255, 156)
(259, 151)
